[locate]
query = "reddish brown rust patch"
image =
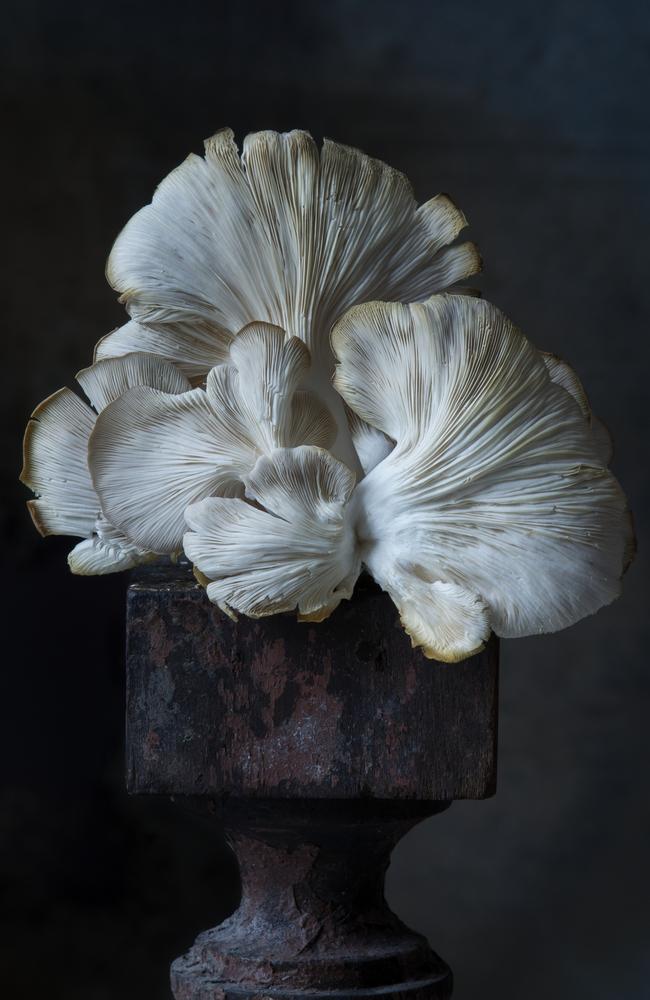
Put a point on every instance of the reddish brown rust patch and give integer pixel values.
(152, 744)
(313, 921)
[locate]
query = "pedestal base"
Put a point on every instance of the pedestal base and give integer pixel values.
(425, 989)
(313, 921)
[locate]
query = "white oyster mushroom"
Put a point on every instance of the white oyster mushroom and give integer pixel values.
(152, 454)
(495, 509)
(56, 461)
(286, 233)
(463, 468)
(293, 549)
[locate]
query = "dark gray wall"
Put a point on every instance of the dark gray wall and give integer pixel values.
(535, 119)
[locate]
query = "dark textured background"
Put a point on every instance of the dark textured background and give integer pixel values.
(535, 118)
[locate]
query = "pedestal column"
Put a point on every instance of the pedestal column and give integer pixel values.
(315, 747)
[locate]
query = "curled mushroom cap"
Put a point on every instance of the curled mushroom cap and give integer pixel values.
(495, 509)
(55, 463)
(291, 548)
(285, 233)
(153, 453)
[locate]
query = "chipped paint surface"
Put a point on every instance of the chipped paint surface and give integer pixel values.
(279, 708)
(313, 921)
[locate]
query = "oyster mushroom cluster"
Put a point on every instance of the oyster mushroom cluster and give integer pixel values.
(297, 396)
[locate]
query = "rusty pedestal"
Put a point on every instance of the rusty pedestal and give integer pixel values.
(317, 747)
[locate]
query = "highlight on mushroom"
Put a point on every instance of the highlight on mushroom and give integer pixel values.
(303, 391)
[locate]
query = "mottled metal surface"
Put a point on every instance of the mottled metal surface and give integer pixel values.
(276, 708)
(313, 922)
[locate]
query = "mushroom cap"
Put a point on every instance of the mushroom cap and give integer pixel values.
(286, 233)
(495, 485)
(153, 453)
(56, 460)
(290, 548)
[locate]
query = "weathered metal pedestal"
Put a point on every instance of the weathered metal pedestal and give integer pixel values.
(316, 746)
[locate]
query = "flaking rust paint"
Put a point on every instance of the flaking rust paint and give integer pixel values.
(313, 921)
(278, 708)
(279, 750)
